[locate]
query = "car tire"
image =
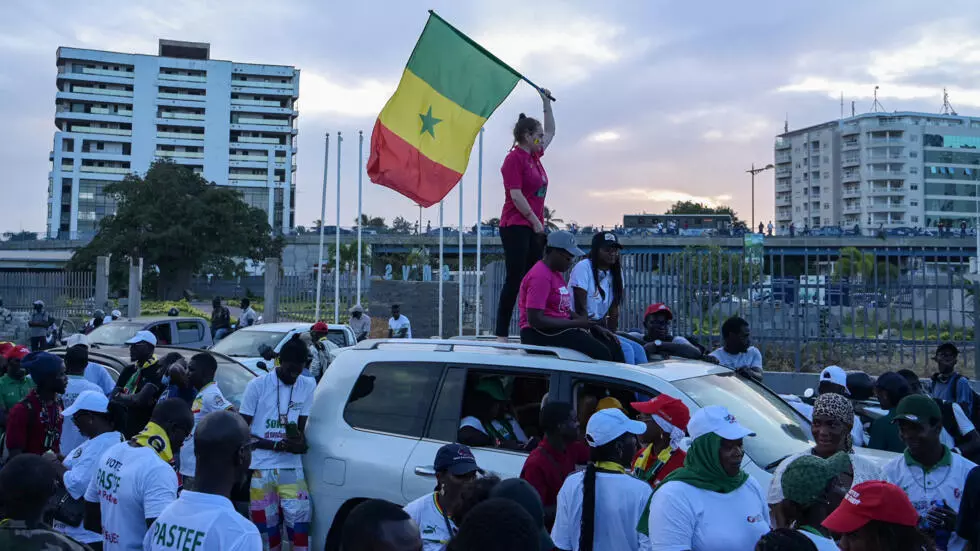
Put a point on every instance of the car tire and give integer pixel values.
(337, 527)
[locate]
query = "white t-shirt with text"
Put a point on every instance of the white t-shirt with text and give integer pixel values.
(82, 463)
(132, 484)
(750, 358)
(396, 325)
(267, 400)
(620, 502)
(582, 278)
(433, 525)
(70, 437)
(100, 376)
(208, 399)
(202, 522)
(686, 518)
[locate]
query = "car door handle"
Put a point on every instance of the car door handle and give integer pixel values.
(425, 471)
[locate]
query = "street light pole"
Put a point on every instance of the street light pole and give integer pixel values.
(753, 171)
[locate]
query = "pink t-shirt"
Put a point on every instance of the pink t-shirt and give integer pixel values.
(543, 289)
(524, 171)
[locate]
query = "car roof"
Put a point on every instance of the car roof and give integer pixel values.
(288, 326)
(156, 319)
(121, 354)
(477, 351)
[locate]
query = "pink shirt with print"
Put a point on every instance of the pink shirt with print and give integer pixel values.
(543, 289)
(524, 171)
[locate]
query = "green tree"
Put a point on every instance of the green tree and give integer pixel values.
(551, 221)
(348, 255)
(401, 226)
(179, 224)
(690, 207)
(853, 263)
(375, 222)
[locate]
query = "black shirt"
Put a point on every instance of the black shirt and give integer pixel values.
(131, 418)
(968, 523)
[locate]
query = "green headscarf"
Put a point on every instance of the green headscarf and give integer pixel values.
(702, 468)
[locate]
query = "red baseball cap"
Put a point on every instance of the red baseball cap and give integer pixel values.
(872, 500)
(17, 353)
(5, 346)
(671, 409)
(320, 327)
(656, 308)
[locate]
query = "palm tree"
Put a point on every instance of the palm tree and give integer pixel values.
(550, 221)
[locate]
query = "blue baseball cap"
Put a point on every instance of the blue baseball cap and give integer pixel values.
(456, 459)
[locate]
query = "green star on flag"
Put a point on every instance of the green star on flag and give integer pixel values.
(429, 123)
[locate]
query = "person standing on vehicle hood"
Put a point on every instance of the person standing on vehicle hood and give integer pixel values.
(359, 322)
(932, 476)
(737, 353)
(666, 418)
(276, 406)
(209, 398)
(831, 426)
(455, 467)
(890, 388)
(139, 386)
(39, 323)
(522, 218)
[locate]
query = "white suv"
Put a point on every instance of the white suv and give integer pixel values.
(385, 407)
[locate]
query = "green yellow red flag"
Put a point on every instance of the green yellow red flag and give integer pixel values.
(422, 139)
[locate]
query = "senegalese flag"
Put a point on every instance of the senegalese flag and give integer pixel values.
(421, 142)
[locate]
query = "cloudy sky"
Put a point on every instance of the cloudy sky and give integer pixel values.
(658, 101)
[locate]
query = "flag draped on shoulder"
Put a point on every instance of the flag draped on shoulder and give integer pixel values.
(422, 139)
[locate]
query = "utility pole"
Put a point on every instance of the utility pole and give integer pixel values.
(753, 171)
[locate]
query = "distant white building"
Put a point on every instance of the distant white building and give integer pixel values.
(874, 170)
(233, 123)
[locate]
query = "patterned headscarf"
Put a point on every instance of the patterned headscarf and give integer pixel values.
(837, 407)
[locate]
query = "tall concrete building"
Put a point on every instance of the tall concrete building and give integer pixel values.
(233, 123)
(890, 170)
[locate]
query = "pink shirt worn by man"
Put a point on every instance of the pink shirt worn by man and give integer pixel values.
(524, 171)
(543, 289)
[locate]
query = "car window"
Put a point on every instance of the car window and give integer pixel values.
(246, 343)
(190, 331)
(588, 393)
(780, 429)
(232, 379)
(502, 406)
(338, 337)
(114, 333)
(162, 333)
(393, 397)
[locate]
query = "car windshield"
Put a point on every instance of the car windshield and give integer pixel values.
(114, 333)
(247, 343)
(780, 430)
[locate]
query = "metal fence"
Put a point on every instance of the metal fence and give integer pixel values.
(297, 296)
(66, 295)
(876, 311)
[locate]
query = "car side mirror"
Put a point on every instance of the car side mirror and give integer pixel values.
(808, 393)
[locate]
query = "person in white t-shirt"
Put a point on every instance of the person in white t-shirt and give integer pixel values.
(205, 519)
(932, 476)
(135, 482)
(93, 372)
(276, 406)
(209, 398)
(710, 504)
(738, 354)
(248, 317)
(602, 506)
(812, 487)
(89, 413)
(455, 467)
(75, 362)
(398, 325)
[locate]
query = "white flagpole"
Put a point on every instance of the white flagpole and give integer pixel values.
(459, 282)
(360, 182)
(440, 268)
(323, 214)
(479, 233)
(336, 267)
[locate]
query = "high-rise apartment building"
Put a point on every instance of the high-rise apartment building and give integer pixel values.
(889, 170)
(233, 123)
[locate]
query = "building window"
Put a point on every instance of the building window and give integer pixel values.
(914, 170)
(915, 219)
(914, 187)
(913, 203)
(914, 154)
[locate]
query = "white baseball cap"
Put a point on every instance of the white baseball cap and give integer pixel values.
(78, 339)
(89, 400)
(607, 425)
(143, 336)
(718, 420)
(835, 374)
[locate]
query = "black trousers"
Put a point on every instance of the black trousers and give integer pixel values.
(37, 343)
(522, 248)
(575, 339)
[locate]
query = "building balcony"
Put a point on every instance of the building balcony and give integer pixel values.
(108, 73)
(101, 91)
(887, 207)
(182, 116)
(880, 142)
(181, 154)
(251, 177)
(256, 102)
(259, 91)
(782, 143)
(67, 168)
(891, 158)
(261, 128)
(851, 191)
(105, 169)
(784, 188)
(236, 181)
(182, 78)
(847, 163)
(90, 98)
(259, 158)
(784, 171)
(181, 97)
(242, 119)
(97, 130)
(258, 84)
(877, 191)
(259, 109)
(98, 117)
(181, 123)
(851, 208)
(253, 139)
(847, 145)
(784, 201)
(889, 174)
(851, 177)
(181, 135)
(850, 130)
(89, 77)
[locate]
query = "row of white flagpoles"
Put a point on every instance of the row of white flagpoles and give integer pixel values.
(360, 183)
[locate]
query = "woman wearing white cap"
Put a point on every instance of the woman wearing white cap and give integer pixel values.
(599, 509)
(89, 412)
(710, 504)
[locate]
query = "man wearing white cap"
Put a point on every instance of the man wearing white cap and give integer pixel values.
(710, 504)
(833, 380)
(93, 371)
(139, 386)
(89, 413)
(75, 360)
(601, 507)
